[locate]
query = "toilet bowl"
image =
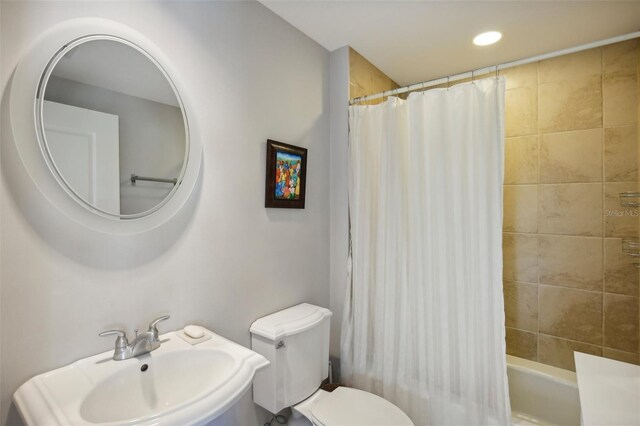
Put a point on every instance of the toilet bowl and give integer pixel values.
(296, 343)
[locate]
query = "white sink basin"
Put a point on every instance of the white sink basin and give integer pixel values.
(175, 384)
(169, 380)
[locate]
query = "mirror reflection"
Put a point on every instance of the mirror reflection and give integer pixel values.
(113, 127)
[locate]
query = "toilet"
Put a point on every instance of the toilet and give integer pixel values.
(296, 343)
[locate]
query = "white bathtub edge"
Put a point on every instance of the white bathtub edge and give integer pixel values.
(541, 394)
(553, 373)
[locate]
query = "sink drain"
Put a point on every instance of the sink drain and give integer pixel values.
(144, 367)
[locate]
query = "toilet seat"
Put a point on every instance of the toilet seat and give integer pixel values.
(352, 407)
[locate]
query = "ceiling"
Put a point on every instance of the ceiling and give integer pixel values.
(413, 41)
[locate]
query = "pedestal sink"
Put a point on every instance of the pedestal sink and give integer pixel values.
(178, 383)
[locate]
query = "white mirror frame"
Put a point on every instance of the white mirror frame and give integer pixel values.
(24, 124)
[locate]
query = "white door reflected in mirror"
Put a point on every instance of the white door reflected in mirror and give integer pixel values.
(107, 111)
(85, 146)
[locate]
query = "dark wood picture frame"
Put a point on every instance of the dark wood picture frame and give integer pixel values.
(270, 198)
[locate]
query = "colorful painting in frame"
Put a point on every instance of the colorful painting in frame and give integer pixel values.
(286, 175)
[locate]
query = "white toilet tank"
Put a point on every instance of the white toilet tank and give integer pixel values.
(296, 343)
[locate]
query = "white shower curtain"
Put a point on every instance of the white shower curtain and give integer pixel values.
(424, 317)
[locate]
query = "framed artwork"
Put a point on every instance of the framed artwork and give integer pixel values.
(286, 175)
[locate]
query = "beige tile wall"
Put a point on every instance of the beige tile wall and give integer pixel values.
(571, 148)
(366, 79)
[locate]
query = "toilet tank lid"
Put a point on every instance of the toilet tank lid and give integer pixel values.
(287, 322)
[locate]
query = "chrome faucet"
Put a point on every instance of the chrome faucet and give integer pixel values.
(142, 344)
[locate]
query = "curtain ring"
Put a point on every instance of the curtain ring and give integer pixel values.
(472, 77)
(448, 79)
(423, 88)
(497, 72)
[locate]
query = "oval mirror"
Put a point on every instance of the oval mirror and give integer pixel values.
(112, 127)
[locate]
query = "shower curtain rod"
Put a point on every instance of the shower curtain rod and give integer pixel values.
(494, 68)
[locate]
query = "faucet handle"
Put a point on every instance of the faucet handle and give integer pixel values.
(153, 326)
(121, 341)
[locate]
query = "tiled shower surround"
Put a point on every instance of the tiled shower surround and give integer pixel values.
(366, 79)
(571, 148)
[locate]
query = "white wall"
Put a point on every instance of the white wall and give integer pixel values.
(2, 125)
(151, 136)
(339, 228)
(225, 260)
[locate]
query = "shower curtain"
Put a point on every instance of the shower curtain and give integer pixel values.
(424, 319)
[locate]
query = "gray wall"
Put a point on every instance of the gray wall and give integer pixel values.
(152, 138)
(339, 228)
(225, 260)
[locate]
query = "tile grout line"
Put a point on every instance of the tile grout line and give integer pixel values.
(597, 182)
(604, 219)
(581, 289)
(538, 213)
(524, 135)
(544, 234)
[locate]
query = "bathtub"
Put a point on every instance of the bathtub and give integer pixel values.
(541, 394)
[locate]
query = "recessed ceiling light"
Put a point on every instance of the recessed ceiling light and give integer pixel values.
(487, 38)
